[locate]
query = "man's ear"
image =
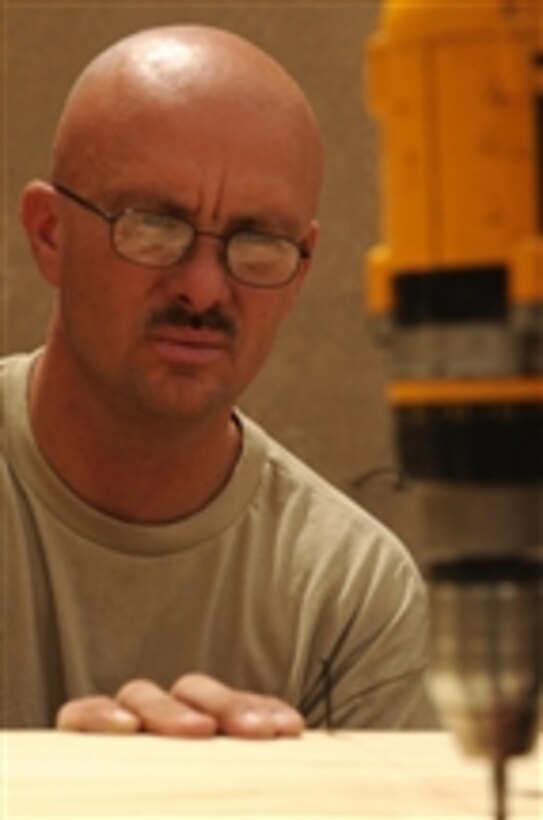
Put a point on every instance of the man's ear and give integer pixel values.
(310, 243)
(39, 217)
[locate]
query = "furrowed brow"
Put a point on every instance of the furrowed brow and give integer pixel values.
(135, 199)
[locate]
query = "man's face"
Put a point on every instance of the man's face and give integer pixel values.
(118, 320)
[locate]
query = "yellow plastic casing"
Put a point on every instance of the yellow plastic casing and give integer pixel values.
(456, 88)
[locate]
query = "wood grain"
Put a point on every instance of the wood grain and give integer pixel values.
(357, 774)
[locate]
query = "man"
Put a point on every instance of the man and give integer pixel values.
(168, 567)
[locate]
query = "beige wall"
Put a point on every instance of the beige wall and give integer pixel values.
(322, 392)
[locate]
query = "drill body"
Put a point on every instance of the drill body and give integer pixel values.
(455, 292)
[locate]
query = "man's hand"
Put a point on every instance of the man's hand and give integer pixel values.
(195, 706)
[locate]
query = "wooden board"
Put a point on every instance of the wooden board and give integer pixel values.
(358, 774)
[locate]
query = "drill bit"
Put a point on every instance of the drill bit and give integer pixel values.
(499, 783)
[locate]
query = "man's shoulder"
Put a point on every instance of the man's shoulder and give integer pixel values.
(14, 370)
(285, 467)
(358, 571)
(300, 492)
(14, 365)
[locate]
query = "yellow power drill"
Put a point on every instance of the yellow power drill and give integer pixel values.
(456, 293)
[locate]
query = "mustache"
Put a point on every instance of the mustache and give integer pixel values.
(177, 315)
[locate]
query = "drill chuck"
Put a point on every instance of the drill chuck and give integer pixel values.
(487, 646)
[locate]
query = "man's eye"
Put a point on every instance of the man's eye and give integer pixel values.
(258, 245)
(161, 221)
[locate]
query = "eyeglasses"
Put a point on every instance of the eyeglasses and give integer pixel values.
(161, 240)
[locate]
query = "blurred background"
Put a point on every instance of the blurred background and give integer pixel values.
(322, 392)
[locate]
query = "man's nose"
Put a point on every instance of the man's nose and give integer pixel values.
(200, 280)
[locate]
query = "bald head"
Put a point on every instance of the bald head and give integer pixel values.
(226, 82)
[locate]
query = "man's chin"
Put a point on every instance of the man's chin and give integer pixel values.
(185, 398)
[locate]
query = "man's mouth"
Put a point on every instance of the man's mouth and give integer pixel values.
(192, 348)
(191, 339)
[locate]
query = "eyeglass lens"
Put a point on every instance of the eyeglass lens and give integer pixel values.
(159, 240)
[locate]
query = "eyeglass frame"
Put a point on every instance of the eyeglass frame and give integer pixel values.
(113, 217)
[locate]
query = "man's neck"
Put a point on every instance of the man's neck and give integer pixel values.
(142, 473)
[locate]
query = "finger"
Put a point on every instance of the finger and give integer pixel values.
(96, 714)
(163, 714)
(240, 714)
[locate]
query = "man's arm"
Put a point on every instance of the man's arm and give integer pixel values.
(196, 706)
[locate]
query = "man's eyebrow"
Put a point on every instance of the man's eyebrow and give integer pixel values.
(266, 221)
(145, 200)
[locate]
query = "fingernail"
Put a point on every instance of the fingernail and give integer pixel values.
(287, 720)
(122, 721)
(251, 719)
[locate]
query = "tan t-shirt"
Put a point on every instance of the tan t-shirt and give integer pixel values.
(279, 585)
